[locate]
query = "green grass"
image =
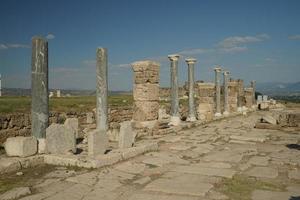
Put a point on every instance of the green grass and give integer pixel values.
(63, 104)
(241, 187)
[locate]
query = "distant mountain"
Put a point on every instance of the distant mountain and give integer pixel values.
(278, 88)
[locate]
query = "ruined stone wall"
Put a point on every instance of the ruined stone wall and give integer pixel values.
(206, 100)
(145, 90)
(248, 95)
(165, 93)
(232, 95)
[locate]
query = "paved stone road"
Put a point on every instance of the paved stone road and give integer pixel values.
(192, 165)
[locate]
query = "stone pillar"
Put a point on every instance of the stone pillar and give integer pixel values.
(145, 91)
(39, 87)
(253, 85)
(233, 95)
(191, 62)
(175, 116)
(101, 90)
(0, 86)
(226, 104)
(240, 95)
(218, 92)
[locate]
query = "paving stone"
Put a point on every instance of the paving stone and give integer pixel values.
(221, 165)
(146, 196)
(86, 179)
(224, 156)
(263, 172)
(130, 167)
(294, 174)
(203, 148)
(182, 185)
(214, 195)
(60, 174)
(75, 192)
(161, 158)
(249, 138)
(15, 193)
(180, 147)
(171, 138)
(272, 195)
(143, 180)
(206, 171)
(259, 160)
(115, 174)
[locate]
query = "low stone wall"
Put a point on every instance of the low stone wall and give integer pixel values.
(19, 124)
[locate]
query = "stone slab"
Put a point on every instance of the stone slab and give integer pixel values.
(72, 123)
(131, 167)
(148, 196)
(273, 195)
(97, 142)
(181, 185)
(294, 174)
(269, 119)
(127, 135)
(59, 139)
(15, 193)
(259, 160)
(263, 172)
(21, 146)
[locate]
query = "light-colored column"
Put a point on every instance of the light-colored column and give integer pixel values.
(253, 85)
(226, 104)
(175, 116)
(39, 87)
(218, 92)
(101, 90)
(0, 85)
(191, 63)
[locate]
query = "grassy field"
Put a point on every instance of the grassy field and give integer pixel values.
(63, 104)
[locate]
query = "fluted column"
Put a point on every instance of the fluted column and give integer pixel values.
(218, 91)
(226, 104)
(191, 62)
(39, 87)
(175, 116)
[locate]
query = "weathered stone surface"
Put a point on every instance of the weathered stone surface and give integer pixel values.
(143, 180)
(146, 92)
(205, 111)
(130, 167)
(89, 118)
(294, 174)
(263, 172)
(259, 160)
(59, 139)
(21, 146)
(224, 156)
(42, 146)
(269, 119)
(127, 135)
(181, 185)
(72, 124)
(145, 110)
(148, 196)
(273, 195)
(15, 193)
(97, 142)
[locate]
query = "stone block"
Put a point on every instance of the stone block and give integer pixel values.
(127, 135)
(42, 146)
(72, 124)
(97, 142)
(21, 146)
(15, 193)
(89, 118)
(145, 110)
(146, 92)
(59, 139)
(269, 119)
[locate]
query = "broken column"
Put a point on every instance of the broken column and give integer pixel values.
(175, 116)
(232, 95)
(39, 87)
(98, 139)
(191, 62)
(218, 92)
(253, 86)
(226, 104)
(145, 91)
(248, 93)
(240, 95)
(0, 85)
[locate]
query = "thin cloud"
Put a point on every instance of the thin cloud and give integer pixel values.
(294, 37)
(238, 40)
(13, 46)
(234, 49)
(50, 36)
(65, 69)
(198, 51)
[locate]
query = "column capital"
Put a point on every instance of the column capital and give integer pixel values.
(226, 73)
(173, 57)
(218, 69)
(190, 60)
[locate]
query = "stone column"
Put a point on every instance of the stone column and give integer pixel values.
(226, 104)
(218, 92)
(253, 85)
(191, 62)
(240, 95)
(175, 116)
(0, 86)
(39, 87)
(101, 90)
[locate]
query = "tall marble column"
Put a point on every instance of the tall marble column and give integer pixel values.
(226, 104)
(175, 116)
(39, 87)
(191, 62)
(253, 85)
(218, 91)
(101, 90)
(0, 86)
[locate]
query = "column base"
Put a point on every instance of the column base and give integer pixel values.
(226, 113)
(239, 109)
(174, 121)
(191, 119)
(218, 114)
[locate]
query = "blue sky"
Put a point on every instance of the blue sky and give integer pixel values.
(254, 40)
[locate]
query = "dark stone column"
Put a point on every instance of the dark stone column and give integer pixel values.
(218, 91)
